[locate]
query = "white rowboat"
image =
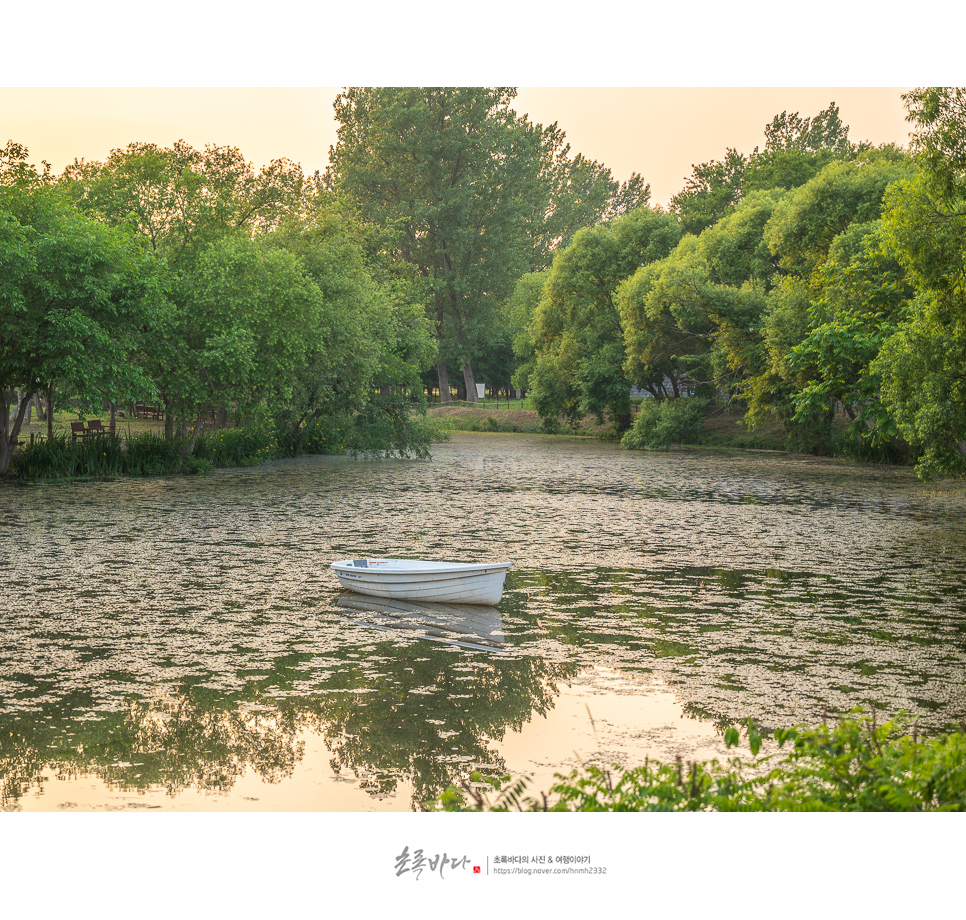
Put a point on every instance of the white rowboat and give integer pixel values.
(421, 580)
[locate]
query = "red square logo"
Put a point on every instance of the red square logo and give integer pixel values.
(476, 870)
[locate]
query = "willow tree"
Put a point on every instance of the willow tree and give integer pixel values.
(577, 330)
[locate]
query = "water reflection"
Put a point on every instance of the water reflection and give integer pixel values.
(182, 635)
(474, 626)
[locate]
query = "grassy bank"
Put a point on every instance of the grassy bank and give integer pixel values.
(517, 419)
(718, 428)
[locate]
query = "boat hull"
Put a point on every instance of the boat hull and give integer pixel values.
(412, 580)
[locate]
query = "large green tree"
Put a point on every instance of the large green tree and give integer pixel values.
(577, 329)
(450, 170)
(796, 149)
(279, 306)
(181, 199)
(75, 298)
(476, 197)
(363, 366)
(923, 366)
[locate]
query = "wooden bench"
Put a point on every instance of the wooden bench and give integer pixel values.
(95, 426)
(77, 430)
(143, 411)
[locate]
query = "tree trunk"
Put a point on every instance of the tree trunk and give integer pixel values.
(6, 446)
(50, 412)
(470, 381)
(8, 441)
(444, 397)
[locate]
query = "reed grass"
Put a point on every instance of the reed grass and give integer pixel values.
(152, 454)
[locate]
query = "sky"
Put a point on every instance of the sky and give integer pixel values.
(659, 132)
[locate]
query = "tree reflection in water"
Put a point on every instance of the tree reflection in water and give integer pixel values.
(428, 717)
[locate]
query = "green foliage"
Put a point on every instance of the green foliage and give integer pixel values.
(713, 189)
(75, 297)
(661, 423)
(859, 296)
(824, 131)
(665, 311)
(180, 200)
(923, 385)
(324, 435)
(150, 454)
(472, 196)
(57, 457)
(939, 138)
(577, 328)
(452, 172)
(280, 308)
(784, 169)
(235, 446)
(518, 314)
(854, 765)
(796, 149)
(242, 319)
(923, 365)
(803, 226)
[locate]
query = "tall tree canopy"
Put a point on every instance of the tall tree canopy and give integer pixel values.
(923, 366)
(75, 297)
(577, 329)
(796, 149)
(180, 198)
(278, 305)
(476, 197)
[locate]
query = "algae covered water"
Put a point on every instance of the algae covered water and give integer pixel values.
(181, 644)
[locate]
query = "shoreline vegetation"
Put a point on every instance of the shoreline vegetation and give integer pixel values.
(140, 448)
(853, 765)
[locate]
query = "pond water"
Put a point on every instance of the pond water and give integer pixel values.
(181, 644)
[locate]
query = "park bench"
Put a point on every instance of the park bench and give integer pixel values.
(143, 411)
(95, 426)
(77, 430)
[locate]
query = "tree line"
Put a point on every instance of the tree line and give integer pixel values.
(814, 276)
(451, 240)
(273, 297)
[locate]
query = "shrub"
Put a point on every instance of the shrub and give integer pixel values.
(60, 456)
(659, 423)
(151, 454)
(314, 436)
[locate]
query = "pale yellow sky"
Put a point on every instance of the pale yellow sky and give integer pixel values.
(657, 132)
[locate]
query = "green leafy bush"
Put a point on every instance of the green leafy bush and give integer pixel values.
(146, 454)
(659, 423)
(853, 765)
(314, 436)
